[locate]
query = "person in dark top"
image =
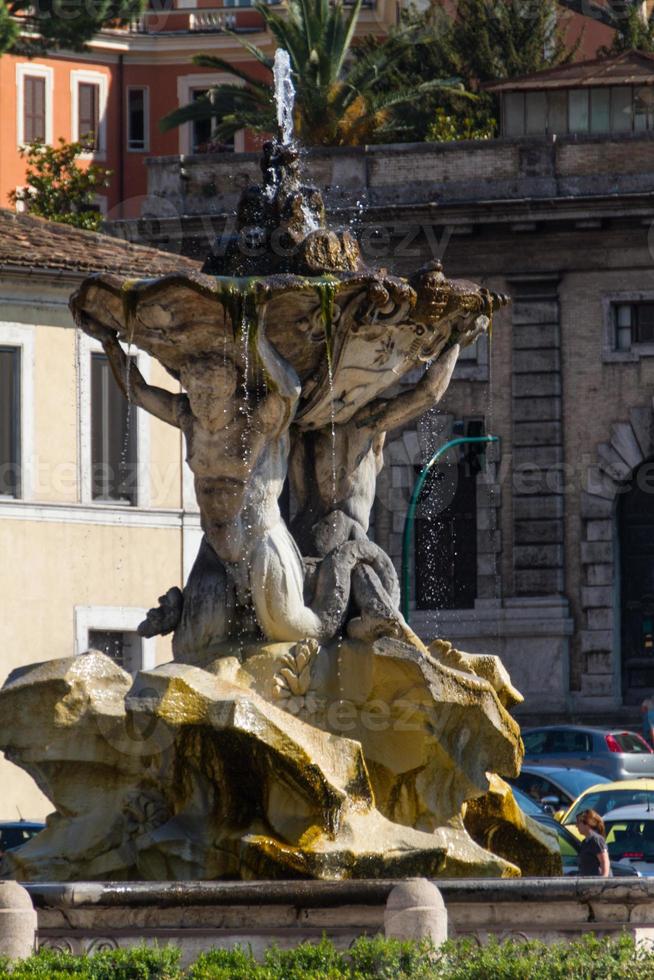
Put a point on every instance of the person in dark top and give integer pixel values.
(593, 853)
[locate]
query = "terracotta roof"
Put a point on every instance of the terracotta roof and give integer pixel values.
(628, 68)
(33, 243)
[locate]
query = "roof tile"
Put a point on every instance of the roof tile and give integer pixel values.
(34, 243)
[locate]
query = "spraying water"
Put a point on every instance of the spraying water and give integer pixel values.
(284, 94)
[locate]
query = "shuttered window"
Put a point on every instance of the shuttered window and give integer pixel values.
(33, 109)
(113, 437)
(88, 102)
(10, 421)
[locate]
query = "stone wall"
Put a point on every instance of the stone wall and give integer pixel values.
(492, 170)
(87, 917)
(565, 227)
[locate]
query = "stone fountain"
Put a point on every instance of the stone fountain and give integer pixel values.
(302, 729)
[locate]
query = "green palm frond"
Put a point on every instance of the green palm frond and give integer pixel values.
(338, 98)
(264, 89)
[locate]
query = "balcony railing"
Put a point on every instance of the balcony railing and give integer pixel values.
(235, 16)
(231, 15)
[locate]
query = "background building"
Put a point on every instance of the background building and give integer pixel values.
(129, 78)
(96, 516)
(542, 552)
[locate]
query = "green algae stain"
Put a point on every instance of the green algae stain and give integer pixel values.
(326, 289)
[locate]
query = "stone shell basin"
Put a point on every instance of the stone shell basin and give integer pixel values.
(348, 339)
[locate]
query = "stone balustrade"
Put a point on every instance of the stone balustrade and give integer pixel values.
(478, 172)
(89, 916)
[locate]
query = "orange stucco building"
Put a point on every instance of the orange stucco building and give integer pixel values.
(129, 78)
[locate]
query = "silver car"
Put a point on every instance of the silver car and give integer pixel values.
(610, 752)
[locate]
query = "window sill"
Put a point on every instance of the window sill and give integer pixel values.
(109, 502)
(470, 372)
(98, 156)
(628, 356)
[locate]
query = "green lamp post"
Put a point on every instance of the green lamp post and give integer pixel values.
(413, 505)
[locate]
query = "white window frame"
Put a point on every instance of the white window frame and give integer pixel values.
(33, 69)
(146, 118)
(86, 347)
(102, 81)
(22, 336)
(185, 86)
(609, 301)
(119, 619)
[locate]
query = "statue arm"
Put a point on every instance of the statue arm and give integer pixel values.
(164, 404)
(391, 413)
(283, 382)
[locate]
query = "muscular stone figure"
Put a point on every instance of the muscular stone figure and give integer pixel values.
(231, 447)
(333, 476)
(239, 460)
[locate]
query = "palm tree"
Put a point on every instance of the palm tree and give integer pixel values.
(339, 101)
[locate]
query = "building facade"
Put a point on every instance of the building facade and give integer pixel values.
(129, 78)
(126, 80)
(97, 517)
(541, 550)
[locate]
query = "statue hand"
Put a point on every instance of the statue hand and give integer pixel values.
(474, 330)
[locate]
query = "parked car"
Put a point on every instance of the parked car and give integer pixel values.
(630, 836)
(13, 833)
(610, 796)
(568, 844)
(615, 753)
(553, 787)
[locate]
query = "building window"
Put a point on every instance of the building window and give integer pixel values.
(633, 324)
(446, 530)
(578, 111)
(113, 437)
(89, 94)
(614, 109)
(643, 108)
(88, 118)
(201, 128)
(10, 422)
(123, 647)
(113, 631)
(34, 89)
(137, 119)
(34, 109)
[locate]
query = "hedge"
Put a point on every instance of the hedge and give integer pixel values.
(367, 959)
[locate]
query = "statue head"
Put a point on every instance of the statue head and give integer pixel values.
(210, 384)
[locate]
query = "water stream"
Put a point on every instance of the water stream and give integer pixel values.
(284, 94)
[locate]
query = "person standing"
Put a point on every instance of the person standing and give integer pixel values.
(647, 709)
(593, 853)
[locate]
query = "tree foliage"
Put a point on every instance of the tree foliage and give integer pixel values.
(634, 32)
(497, 39)
(58, 188)
(488, 40)
(32, 27)
(339, 100)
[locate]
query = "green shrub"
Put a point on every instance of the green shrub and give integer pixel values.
(139, 963)
(375, 958)
(227, 964)
(584, 959)
(389, 959)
